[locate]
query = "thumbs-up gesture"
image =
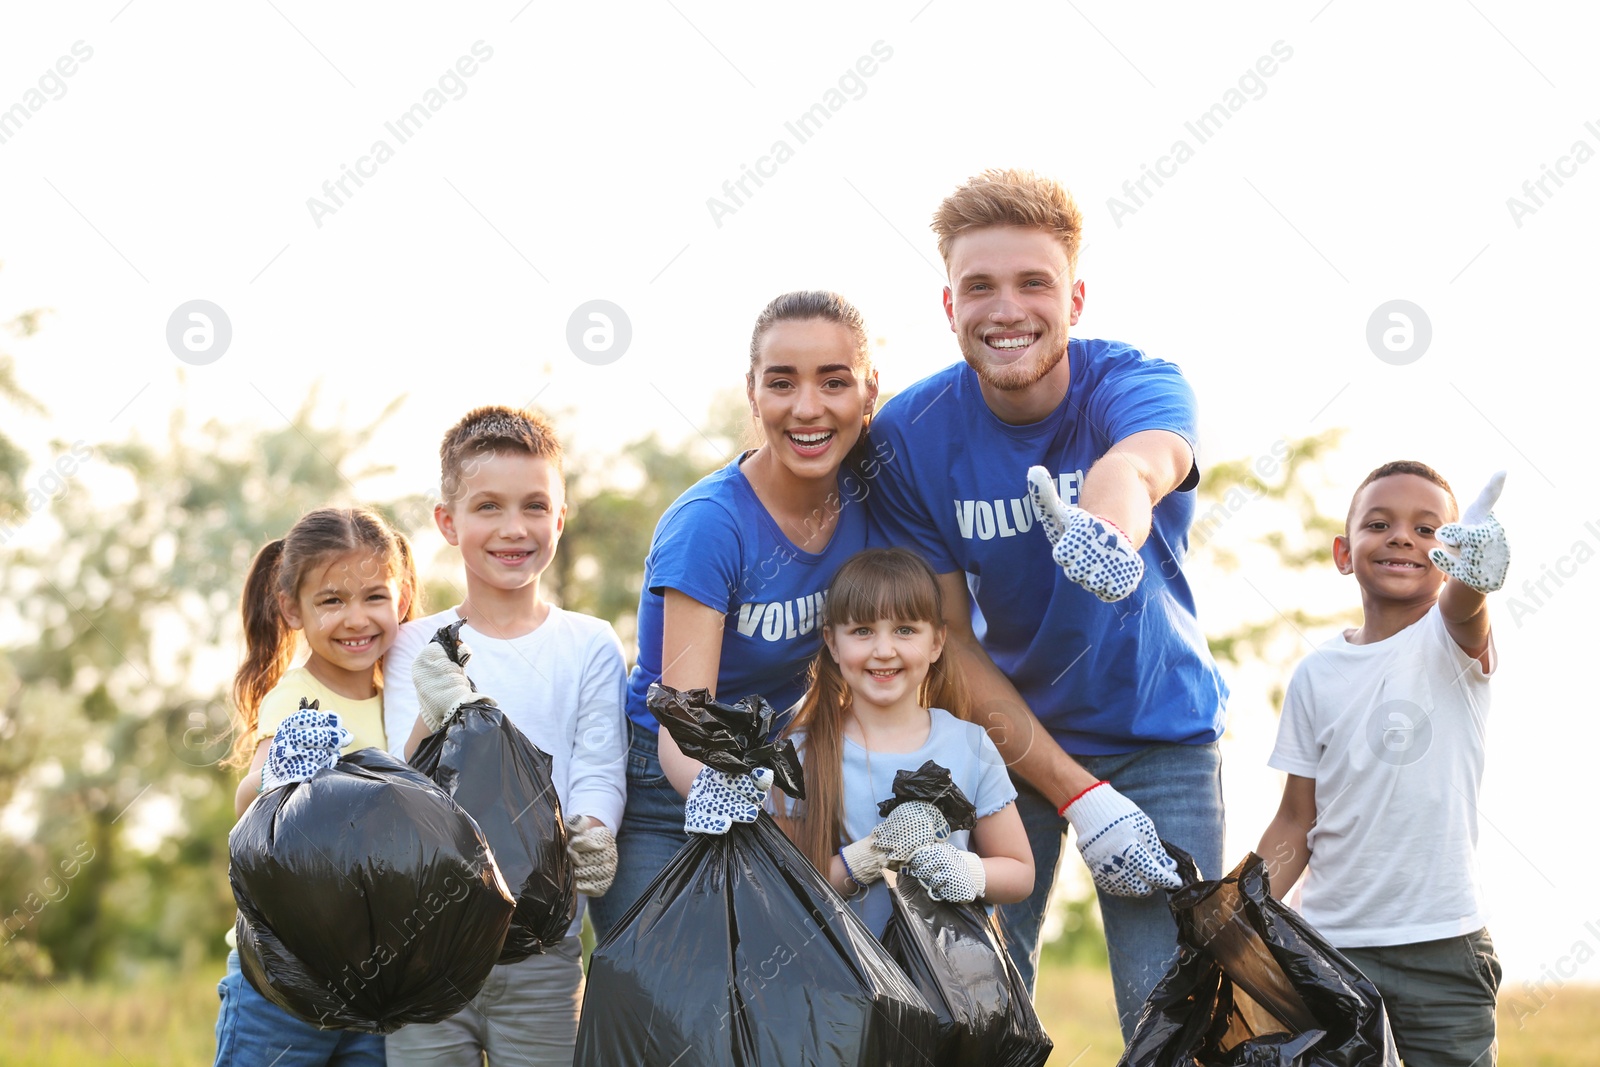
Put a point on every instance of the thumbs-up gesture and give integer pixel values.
(1094, 552)
(1482, 552)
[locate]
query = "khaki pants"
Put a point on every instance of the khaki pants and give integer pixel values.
(526, 1015)
(1440, 996)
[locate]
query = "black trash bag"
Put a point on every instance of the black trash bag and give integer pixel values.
(954, 954)
(740, 954)
(732, 738)
(933, 784)
(504, 781)
(1255, 986)
(368, 900)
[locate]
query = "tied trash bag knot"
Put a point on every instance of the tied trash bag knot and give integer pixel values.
(732, 738)
(932, 783)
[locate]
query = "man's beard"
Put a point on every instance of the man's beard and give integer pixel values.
(1016, 376)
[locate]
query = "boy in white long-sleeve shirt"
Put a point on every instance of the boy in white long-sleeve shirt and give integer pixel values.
(558, 676)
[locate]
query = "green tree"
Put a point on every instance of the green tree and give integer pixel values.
(1279, 490)
(616, 501)
(116, 704)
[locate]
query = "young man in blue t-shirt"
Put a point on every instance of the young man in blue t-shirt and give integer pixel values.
(1095, 683)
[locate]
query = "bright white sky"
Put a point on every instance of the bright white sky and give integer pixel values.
(1373, 164)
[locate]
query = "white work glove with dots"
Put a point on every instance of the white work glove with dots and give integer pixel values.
(911, 826)
(1483, 555)
(442, 684)
(306, 742)
(1119, 844)
(594, 856)
(717, 800)
(949, 873)
(1094, 552)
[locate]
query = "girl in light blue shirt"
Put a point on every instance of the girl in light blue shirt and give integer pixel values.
(884, 699)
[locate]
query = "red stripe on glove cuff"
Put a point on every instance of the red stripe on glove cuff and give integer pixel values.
(1061, 812)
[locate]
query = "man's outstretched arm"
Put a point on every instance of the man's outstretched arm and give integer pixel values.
(1126, 483)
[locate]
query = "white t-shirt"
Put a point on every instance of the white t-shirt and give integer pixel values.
(561, 685)
(1393, 733)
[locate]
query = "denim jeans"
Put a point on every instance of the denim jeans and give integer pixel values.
(252, 1030)
(1180, 788)
(650, 835)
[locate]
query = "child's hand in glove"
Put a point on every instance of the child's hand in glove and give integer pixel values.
(306, 742)
(716, 800)
(1092, 551)
(1484, 555)
(949, 873)
(1119, 844)
(593, 849)
(909, 827)
(442, 684)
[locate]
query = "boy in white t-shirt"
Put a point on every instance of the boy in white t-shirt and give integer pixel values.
(557, 675)
(1382, 738)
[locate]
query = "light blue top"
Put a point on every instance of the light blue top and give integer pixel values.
(962, 748)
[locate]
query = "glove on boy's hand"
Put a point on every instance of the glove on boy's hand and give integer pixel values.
(442, 684)
(594, 856)
(949, 873)
(1119, 844)
(1092, 551)
(912, 825)
(305, 743)
(716, 800)
(1484, 555)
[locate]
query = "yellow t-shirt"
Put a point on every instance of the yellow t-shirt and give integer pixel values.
(363, 718)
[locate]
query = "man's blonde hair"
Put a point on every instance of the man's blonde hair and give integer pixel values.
(1010, 198)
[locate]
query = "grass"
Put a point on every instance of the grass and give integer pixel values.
(160, 1021)
(169, 1020)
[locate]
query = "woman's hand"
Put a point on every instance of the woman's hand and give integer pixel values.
(691, 654)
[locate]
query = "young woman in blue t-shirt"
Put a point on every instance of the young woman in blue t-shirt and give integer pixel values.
(740, 563)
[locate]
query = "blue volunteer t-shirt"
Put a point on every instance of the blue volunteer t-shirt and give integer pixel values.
(952, 483)
(718, 545)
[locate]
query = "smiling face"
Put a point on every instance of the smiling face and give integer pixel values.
(506, 518)
(349, 609)
(1393, 523)
(810, 392)
(1011, 302)
(884, 662)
